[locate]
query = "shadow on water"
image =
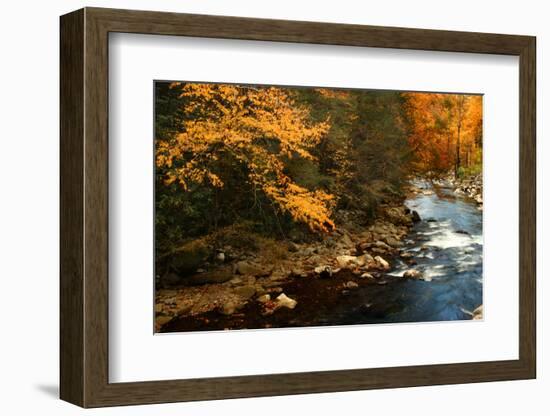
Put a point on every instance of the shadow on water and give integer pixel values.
(447, 246)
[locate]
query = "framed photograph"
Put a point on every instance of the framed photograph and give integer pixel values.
(256, 207)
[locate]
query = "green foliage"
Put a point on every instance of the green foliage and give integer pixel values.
(361, 160)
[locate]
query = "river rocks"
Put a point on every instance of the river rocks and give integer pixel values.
(351, 285)
(399, 215)
(324, 271)
(293, 247)
(218, 275)
(383, 264)
(406, 255)
(245, 267)
(366, 276)
(415, 216)
(189, 257)
(245, 292)
(477, 314)
(161, 320)
(352, 262)
(282, 301)
(264, 298)
(346, 261)
(471, 187)
(393, 242)
(296, 272)
(229, 308)
(382, 245)
(412, 274)
(346, 240)
(462, 232)
(170, 279)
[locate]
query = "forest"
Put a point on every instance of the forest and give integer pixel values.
(249, 177)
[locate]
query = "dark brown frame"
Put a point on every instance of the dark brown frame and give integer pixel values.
(84, 208)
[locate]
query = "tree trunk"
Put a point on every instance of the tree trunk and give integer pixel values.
(457, 159)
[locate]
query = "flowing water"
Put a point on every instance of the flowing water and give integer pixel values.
(448, 247)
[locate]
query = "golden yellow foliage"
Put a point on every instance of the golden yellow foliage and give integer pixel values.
(259, 128)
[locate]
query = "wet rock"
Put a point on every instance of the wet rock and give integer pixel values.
(382, 245)
(462, 232)
(406, 255)
(477, 314)
(412, 274)
(393, 242)
(346, 261)
(366, 276)
(189, 257)
(247, 268)
(324, 271)
(220, 275)
(245, 292)
(283, 301)
(352, 262)
(431, 220)
(264, 298)
(230, 307)
(415, 216)
(383, 264)
(260, 290)
(351, 285)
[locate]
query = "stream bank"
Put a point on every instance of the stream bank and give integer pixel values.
(420, 261)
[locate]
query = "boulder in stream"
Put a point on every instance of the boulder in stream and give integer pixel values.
(283, 301)
(477, 314)
(383, 264)
(412, 274)
(324, 271)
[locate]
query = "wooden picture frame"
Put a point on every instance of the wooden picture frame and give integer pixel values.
(84, 207)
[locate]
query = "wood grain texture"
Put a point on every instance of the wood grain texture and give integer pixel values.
(71, 100)
(84, 207)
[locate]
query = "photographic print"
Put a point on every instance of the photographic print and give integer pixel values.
(280, 206)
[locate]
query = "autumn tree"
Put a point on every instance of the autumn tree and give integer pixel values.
(229, 129)
(445, 130)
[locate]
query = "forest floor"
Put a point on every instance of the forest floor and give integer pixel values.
(306, 281)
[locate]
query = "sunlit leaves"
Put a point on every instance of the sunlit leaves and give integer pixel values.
(445, 129)
(259, 128)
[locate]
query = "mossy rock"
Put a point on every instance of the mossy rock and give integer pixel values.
(188, 258)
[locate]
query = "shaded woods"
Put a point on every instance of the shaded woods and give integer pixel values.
(246, 171)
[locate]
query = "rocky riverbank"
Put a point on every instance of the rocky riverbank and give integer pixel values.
(471, 186)
(266, 287)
